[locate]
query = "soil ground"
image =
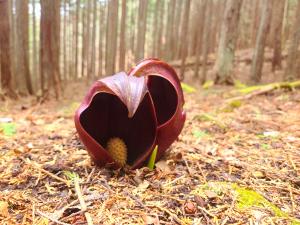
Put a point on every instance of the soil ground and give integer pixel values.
(232, 164)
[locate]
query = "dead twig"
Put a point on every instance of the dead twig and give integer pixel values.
(38, 167)
(82, 202)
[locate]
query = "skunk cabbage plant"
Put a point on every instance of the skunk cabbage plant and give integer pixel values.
(124, 117)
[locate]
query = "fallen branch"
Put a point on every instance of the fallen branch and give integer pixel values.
(259, 90)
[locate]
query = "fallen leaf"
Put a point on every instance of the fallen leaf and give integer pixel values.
(150, 220)
(258, 174)
(163, 166)
(210, 194)
(3, 209)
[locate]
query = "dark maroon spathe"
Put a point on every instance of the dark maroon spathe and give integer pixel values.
(144, 108)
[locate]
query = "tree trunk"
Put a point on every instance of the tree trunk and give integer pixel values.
(227, 42)
(13, 43)
(83, 52)
(293, 55)
(184, 33)
(123, 38)
(159, 49)
(278, 21)
(111, 37)
(155, 28)
(258, 56)
(5, 57)
(101, 37)
(133, 22)
(77, 38)
(22, 22)
(87, 44)
(141, 35)
(34, 46)
(65, 40)
(256, 16)
(50, 36)
(219, 8)
(93, 44)
(177, 31)
(200, 29)
(169, 27)
(206, 40)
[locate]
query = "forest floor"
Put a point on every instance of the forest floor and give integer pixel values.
(234, 163)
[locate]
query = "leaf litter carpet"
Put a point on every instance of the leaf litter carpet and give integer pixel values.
(232, 164)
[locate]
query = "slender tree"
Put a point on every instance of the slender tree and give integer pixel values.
(77, 37)
(64, 41)
(93, 42)
(178, 27)
(169, 28)
(293, 54)
(123, 37)
(87, 43)
(183, 40)
(159, 49)
(34, 47)
(50, 36)
(258, 56)
(22, 22)
(227, 42)
(141, 35)
(83, 40)
(200, 28)
(255, 21)
(111, 37)
(101, 37)
(277, 33)
(206, 40)
(155, 28)
(5, 57)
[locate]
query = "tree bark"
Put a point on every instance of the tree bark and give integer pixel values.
(22, 22)
(177, 31)
(101, 37)
(200, 29)
(184, 36)
(77, 38)
(169, 27)
(111, 37)
(159, 49)
(155, 28)
(227, 42)
(34, 48)
(141, 35)
(64, 43)
(256, 16)
(87, 44)
(277, 33)
(50, 39)
(5, 56)
(93, 44)
(206, 39)
(258, 56)
(83, 52)
(123, 38)
(293, 55)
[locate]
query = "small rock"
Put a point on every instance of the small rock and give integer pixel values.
(190, 208)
